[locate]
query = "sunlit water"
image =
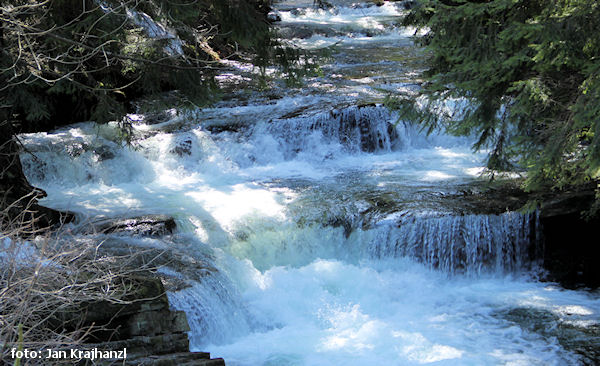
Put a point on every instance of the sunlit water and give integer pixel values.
(327, 223)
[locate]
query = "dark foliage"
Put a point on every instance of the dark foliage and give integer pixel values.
(530, 71)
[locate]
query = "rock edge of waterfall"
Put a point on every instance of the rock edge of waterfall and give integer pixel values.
(569, 254)
(147, 328)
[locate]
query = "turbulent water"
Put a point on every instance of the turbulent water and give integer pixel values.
(322, 230)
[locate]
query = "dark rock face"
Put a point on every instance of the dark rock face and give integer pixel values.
(362, 121)
(568, 203)
(231, 127)
(144, 325)
(322, 4)
(104, 153)
(571, 252)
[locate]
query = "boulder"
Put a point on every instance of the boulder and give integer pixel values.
(183, 147)
(273, 17)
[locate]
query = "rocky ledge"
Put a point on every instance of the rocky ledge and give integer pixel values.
(568, 224)
(144, 325)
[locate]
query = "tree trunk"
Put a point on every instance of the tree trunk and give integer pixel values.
(19, 209)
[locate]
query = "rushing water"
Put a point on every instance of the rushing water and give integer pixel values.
(325, 228)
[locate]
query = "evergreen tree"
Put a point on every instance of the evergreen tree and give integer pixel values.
(95, 56)
(531, 72)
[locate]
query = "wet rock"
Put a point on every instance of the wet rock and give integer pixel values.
(297, 12)
(145, 346)
(179, 359)
(297, 32)
(154, 118)
(487, 200)
(229, 127)
(152, 226)
(343, 222)
(567, 203)
(273, 17)
(371, 138)
(104, 153)
(151, 323)
(149, 297)
(304, 31)
(75, 148)
(570, 253)
(183, 147)
(174, 283)
(572, 335)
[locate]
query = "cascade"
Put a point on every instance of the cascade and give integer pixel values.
(214, 310)
(367, 128)
(464, 244)
(327, 224)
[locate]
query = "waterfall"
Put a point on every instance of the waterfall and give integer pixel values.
(471, 244)
(466, 245)
(214, 310)
(367, 128)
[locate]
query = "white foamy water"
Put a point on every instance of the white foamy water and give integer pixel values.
(327, 223)
(392, 313)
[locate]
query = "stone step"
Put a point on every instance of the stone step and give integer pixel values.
(177, 359)
(144, 346)
(172, 359)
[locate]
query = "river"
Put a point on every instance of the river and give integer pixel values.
(334, 232)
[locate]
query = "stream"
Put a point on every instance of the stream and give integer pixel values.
(322, 229)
